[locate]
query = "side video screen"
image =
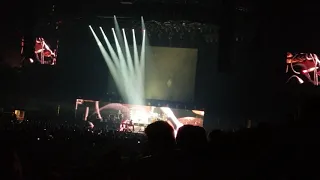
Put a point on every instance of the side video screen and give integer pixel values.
(45, 45)
(303, 68)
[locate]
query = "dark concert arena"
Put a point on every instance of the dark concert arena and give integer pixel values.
(159, 89)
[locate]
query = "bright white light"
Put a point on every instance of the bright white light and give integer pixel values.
(127, 71)
(171, 115)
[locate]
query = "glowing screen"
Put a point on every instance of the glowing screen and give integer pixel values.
(303, 68)
(170, 74)
(139, 116)
(45, 45)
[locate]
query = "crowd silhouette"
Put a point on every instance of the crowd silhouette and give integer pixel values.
(51, 150)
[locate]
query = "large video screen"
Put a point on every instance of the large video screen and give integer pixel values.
(137, 117)
(303, 68)
(170, 74)
(45, 45)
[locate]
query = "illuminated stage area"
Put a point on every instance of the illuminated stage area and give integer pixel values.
(140, 72)
(134, 118)
(303, 68)
(117, 59)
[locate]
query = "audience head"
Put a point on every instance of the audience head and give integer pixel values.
(215, 135)
(10, 165)
(191, 137)
(160, 136)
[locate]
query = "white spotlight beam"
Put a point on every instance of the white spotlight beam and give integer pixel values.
(118, 32)
(119, 50)
(123, 66)
(142, 61)
(109, 62)
(112, 52)
(137, 94)
(137, 68)
(143, 46)
(135, 53)
(143, 50)
(128, 54)
(121, 77)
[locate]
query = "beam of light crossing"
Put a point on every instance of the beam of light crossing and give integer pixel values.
(109, 62)
(137, 64)
(123, 68)
(118, 32)
(126, 70)
(143, 61)
(147, 51)
(128, 54)
(135, 53)
(112, 52)
(137, 93)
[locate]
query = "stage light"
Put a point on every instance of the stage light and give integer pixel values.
(127, 71)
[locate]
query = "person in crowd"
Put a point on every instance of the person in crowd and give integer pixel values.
(192, 139)
(192, 142)
(163, 155)
(10, 164)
